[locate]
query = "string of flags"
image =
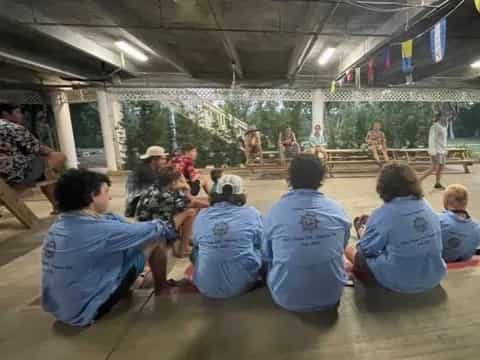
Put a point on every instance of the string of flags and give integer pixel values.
(438, 46)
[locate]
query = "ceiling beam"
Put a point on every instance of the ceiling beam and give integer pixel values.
(118, 13)
(65, 35)
(305, 44)
(226, 39)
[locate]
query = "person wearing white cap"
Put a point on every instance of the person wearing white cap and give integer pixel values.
(304, 241)
(143, 176)
(226, 239)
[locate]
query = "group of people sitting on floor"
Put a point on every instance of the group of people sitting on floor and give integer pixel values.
(300, 247)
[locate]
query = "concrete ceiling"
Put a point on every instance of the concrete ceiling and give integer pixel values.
(193, 43)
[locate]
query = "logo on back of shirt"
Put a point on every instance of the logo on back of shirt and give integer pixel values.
(420, 224)
(220, 230)
(309, 222)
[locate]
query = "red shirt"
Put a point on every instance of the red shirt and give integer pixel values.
(184, 164)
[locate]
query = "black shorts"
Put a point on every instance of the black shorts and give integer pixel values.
(35, 171)
(194, 187)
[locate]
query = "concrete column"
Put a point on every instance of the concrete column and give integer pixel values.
(119, 133)
(173, 130)
(63, 121)
(318, 109)
(108, 130)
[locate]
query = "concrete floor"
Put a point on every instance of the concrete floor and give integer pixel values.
(371, 323)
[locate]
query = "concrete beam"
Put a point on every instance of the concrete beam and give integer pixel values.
(65, 35)
(305, 44)
(226, 39)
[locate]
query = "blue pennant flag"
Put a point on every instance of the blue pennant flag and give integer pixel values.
(438, 40)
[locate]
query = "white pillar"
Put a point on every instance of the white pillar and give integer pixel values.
(318, 109)
(108, 130)
(63, 121)
(119, 133)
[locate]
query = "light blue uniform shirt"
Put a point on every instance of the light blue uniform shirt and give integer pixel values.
(228, 240)
(82, 260)
(461, 237)
(317, 140)
(304, 241)
(403, 245)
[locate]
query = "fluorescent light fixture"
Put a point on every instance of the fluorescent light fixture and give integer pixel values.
(326, 55)
(476, 64)
(131, 51)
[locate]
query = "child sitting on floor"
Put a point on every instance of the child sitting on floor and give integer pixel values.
(460, 234)
(215, 175)
(169, 199)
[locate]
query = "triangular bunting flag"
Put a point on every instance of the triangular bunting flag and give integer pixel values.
(358, 83)
(407, 53)
(387, 61)
(349, 75)
(333, 87)
(477, 5)
(371, 72)
(438, 40)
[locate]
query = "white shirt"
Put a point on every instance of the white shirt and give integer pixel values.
(437, 139)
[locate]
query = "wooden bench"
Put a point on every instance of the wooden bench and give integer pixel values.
(363, 157)
(12, 200)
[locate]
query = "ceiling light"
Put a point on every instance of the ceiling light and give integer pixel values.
(131, 51)
(476, 64)
(326, 55)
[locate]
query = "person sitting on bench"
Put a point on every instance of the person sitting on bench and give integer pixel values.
(287, 144)
(143, 176)
(304, 240)
(23, 159)
(226, 239)
(253, 145)
(185, 164)
(376, 142)
(90, 258)
(460, 233)
(400, 246)
(317, 142)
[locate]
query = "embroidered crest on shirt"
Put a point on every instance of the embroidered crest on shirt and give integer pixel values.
(220, 230)
(50, 249)
(453, 243)
(309, 222)
(420, 224)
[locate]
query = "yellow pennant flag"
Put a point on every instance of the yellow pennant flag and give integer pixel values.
(477, 5)
(333, 87)
(407, 48)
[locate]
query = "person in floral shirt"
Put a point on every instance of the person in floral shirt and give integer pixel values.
(169, 199)
(23, 159)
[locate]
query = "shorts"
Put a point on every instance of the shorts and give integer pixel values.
(132, 267)
(194, 187)
(35, 171)
(439, 159)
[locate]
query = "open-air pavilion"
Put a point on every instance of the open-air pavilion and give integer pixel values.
(188, 52)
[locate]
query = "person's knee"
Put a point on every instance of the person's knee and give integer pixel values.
(56, 160)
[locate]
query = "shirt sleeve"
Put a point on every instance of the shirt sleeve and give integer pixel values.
(266, 245)
(375, 238)
(25, 140)
(122, 236)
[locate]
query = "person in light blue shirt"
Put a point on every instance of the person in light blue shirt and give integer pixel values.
(317, 142)
(226, 239)
(304, 240)
(91, 258)
(460, 234)
(401, 243)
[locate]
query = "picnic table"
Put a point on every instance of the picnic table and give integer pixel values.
(360, 158)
